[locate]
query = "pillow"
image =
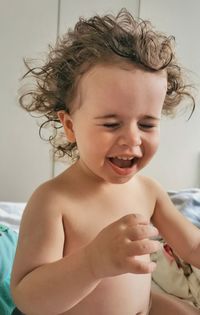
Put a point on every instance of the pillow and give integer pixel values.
(11, 213)
(187, 201)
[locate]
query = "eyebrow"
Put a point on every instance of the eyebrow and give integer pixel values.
(116, 116)
(151, 117)
(107, 116)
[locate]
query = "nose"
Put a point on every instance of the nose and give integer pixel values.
(130, 136)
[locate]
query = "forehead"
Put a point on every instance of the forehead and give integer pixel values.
(124, 83)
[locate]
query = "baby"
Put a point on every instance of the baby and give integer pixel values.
(86, 235)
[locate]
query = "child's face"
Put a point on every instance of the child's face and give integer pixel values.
(117, 120)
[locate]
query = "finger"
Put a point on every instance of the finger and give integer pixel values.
(141, 231)
(142, 247)
(141, 267)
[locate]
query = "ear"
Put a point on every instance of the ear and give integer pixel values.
(67, 123)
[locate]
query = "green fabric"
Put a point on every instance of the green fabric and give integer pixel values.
(8, 241)
(6, 302)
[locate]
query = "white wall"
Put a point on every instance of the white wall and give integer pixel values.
(70, 14)
(26, 28)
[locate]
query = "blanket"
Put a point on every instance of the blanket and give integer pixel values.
(172, 274)
(175, 276)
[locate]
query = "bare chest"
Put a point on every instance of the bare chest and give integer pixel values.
(85, 219)
(126, 294)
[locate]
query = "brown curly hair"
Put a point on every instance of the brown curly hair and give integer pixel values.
(100, 39)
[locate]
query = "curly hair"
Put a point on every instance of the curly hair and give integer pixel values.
(100, 39)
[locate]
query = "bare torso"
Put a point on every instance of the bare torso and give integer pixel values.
(71, 214)
(126, 294)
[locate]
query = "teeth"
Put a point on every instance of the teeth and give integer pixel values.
(123, 158)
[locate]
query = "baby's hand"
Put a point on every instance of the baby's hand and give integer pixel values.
(117, 248)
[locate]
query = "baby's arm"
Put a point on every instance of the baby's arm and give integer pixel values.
(179, 233)
(45, 282)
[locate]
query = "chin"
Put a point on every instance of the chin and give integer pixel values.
(120, 180)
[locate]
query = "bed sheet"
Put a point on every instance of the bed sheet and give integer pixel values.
(11, 213)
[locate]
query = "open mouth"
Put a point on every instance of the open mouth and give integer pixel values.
(123, 162)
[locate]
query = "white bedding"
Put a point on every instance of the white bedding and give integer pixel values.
(176, 277)
(10, 214)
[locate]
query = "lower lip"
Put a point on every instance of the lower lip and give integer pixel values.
(122, 171)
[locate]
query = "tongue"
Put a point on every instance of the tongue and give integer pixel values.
(121, 163)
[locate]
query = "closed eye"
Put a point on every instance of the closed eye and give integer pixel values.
(111, 125)
(147, 126)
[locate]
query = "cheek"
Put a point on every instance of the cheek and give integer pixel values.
(155, 143)
(89, 143)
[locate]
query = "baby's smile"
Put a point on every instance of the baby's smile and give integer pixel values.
(123, 161)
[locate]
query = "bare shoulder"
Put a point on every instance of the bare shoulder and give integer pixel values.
(43, 204)
(150, 186)
(46, 201)
(163, 207)
(154, 187)
(148, 182)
